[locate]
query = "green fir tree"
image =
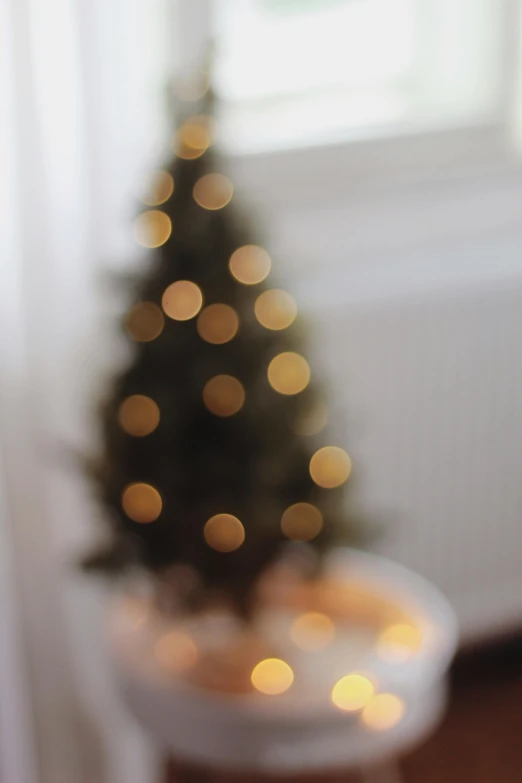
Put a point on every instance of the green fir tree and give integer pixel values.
(212, 457)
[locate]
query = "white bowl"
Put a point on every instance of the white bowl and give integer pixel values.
(300, 729)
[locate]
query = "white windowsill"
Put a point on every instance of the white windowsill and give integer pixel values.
(381, 217)
(370, 163)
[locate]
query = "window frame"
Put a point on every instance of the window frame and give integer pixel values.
(194, 36)
(383, 171)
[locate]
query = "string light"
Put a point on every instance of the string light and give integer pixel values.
(352, 692)
(330, 467)
(302, 522)
(176, 652)
(161, 190)
(141, 502)
(223, 395)
(224, 533)
(250, 264)
(213, 191)
(275, 309)
(312, 421)
(288, 373)
(182, 300)
(152, 228)
(138, 415)
(145, 322)
(312, 631)
(272, 677)
(193, 138)
(398, 643)
(383, 712)
(218, 324)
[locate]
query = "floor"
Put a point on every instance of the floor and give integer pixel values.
(480, 740)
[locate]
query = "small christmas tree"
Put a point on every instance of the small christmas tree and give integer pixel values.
(210, 457)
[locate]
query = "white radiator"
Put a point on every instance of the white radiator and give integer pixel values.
(428, 386)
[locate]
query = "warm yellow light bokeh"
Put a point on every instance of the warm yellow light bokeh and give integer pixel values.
(223, 395)
(175, 652)
(193, 138)
(141, 502)
(272, 677)
(138, 415)
(182, 300)
(218, 323)
(352, 692)
(275, 309)
(152, 228)
(289, 373)
(145, 322)
(301, 522)
(330, 467)
(224, 533)
(312, 631)
(398, 643)
(312, 421)
(161, 190)
(383, 712)
(250, 264)
(213, 191)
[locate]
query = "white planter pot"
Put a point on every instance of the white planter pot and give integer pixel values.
(300, 729)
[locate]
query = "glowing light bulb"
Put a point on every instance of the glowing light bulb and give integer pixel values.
(383, 712)
(272, 677)
(145, 322)
(288, 373)
(182, 300)
(275, 309)
(218, 324)
(162, 189)
(213, 191)
(224, 533)
(223, 395)
(330, 467)
(138, 415)
(312, 631)
(398, 643)
(193, 138)
(152, 228)
(352, 692)
(141, 502)
(176, 652)
(249, 264)
(301, 522)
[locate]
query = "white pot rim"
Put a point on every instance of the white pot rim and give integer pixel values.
(406, 588)
(288, 733)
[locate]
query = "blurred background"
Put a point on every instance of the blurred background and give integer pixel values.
(378, 143)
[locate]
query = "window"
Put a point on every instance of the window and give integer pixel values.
(293, 73)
